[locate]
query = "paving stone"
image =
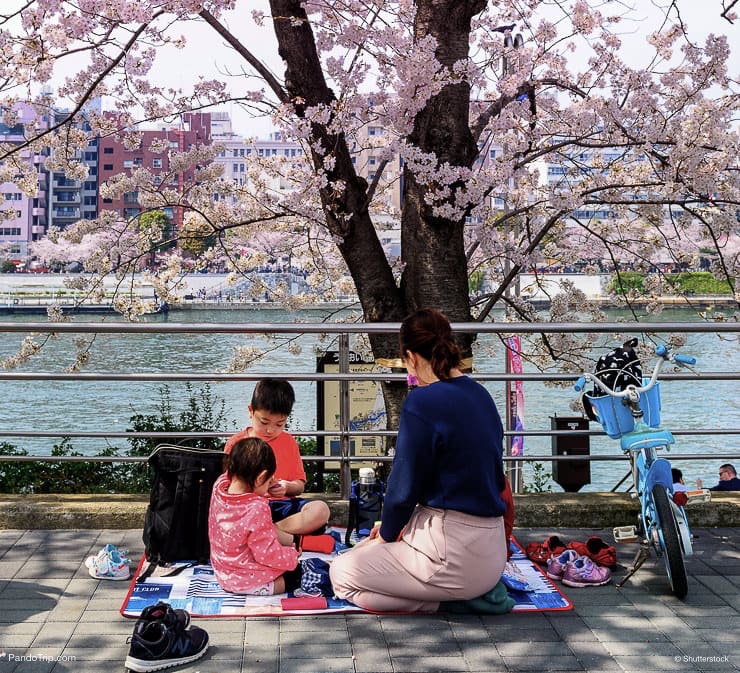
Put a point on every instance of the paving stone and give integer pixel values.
(638, 628)
(593, 656)
(424, 664)
(316, 665)
(54, 635)
(482, 656)
(536, 662)
(370, 659)
(315, 649)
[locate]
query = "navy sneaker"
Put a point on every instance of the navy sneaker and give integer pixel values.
(163, 612)
(156, 646)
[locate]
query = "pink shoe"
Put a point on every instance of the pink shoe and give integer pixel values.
(557, 564)
(583, 572)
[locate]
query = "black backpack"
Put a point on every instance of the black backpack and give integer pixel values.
(176, 521)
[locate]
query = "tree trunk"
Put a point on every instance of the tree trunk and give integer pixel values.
(435, 273)
(435, 270)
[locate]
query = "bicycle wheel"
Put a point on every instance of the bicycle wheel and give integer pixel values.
(672, 551)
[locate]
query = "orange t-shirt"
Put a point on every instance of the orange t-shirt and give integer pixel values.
(287, 454)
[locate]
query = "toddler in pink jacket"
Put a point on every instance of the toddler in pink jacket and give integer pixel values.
(248, 554)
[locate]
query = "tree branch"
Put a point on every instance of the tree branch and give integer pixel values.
(247, 55)
(516, 268)
(88, 94)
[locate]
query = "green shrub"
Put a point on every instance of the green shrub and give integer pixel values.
(700, 283)
(63, 476)
(540, 482)
(203, 413)
(688, 282)
(626, 281)
(317, 479)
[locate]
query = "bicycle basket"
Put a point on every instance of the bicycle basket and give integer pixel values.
(616, 418)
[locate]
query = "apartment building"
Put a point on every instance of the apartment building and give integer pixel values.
(73, 200)
(23, 217)
(115, 157)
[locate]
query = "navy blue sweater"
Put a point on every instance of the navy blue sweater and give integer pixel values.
(727, 485)
(448, 454)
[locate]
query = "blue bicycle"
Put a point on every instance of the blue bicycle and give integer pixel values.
(632, 415)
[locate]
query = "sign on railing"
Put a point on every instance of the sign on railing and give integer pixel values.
(366, 409)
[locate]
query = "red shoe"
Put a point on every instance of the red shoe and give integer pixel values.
(597, 550)
(600, 552)
(541, 553)
(580, 547)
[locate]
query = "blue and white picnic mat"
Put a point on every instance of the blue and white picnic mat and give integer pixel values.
(196, 590)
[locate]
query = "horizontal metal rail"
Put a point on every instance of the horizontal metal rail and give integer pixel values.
(298, 376)
(344, 377)
(369, 459)
(326, 433)
(365, 328)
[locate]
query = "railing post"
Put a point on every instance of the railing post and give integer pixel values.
(345, 475)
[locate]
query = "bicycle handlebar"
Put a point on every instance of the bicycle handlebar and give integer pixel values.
(664, 355)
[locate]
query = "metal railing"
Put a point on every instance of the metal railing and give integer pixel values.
(344, 377)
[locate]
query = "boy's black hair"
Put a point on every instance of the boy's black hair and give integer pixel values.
(248, 458)
(275, 396)
(676, 474)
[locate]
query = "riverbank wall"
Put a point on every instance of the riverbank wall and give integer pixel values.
(33, 293)
(533, 510)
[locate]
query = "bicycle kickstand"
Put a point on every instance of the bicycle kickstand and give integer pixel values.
(643, 553)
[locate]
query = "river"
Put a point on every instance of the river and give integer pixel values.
(54, 406)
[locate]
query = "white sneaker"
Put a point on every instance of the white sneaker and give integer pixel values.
(108, 564)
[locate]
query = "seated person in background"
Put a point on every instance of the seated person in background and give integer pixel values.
(247, 554)
(677, 477)
(728, 480)
(272, 402)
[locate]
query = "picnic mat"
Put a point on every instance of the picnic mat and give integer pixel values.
(195, 589)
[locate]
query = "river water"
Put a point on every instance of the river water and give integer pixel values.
(56, 406)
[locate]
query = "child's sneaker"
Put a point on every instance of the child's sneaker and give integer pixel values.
(600, 552)
(108, 566)
(108, 549)
(556, 564)
(583, 572)
(163, 612)
(158, 646)
(541, 552)
(597, 550)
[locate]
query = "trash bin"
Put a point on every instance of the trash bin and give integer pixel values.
(571, 474)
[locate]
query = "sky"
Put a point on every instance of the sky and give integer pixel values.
(205, 56)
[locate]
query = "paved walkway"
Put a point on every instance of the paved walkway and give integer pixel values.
(54, 617)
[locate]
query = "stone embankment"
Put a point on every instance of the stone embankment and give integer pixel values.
(538, 510)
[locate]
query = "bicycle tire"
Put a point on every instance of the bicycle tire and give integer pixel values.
(672, 550)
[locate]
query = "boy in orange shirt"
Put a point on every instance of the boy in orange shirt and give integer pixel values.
(272, 403)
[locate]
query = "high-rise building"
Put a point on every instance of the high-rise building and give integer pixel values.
(73, 200)
(23, 217)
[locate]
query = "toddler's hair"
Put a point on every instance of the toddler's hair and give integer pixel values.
(248, 458)
(275, 396)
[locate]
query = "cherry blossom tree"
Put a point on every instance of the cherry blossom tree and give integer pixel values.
(644, 136)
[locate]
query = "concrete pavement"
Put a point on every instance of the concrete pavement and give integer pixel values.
(55, 618)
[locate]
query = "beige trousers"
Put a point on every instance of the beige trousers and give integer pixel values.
(442, 555)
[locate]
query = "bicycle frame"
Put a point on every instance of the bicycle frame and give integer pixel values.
(648, 470)
(665, 526)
